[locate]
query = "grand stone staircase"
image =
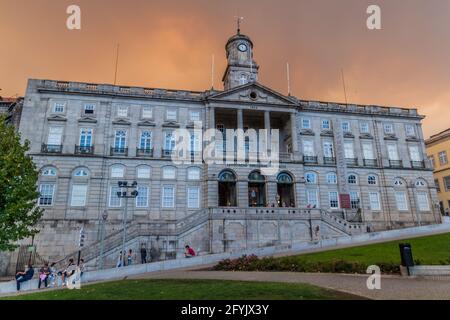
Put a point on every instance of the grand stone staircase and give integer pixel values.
(113, 242)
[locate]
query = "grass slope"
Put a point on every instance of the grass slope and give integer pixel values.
(190, 290)
(431, 250)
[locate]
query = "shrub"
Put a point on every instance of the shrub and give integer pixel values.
(293, 264)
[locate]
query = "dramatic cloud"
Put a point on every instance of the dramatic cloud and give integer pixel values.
(170, 43)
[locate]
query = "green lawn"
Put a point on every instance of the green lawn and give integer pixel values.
(190, 290)
(432, 250)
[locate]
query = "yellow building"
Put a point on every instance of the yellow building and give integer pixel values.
(438, 151)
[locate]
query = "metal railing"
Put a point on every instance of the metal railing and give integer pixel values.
(351, 161)
(147, 152)
(329, 160)
(418, 164)
(51, 148)
(84, 149)
(310, 159)
(370, 162)
(396, 163)
(119, 151)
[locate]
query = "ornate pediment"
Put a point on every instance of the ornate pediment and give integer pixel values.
(56, 118)
(253, 93)
(122, 122)
(146, 123)
(171, 124)
(88, 120)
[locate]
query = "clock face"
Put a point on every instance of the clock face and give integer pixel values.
(242, 47)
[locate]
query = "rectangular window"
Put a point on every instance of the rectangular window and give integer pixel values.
(120, 139)
(142, 198)
(400, 199)
(145, 142)
(171, 115)
(89, 108)
(349, 150)
(333, 199)
(368, 150)
(169, 141)
(193, 197)
(364, 127)
(437, 185)
(143, 172)
(422, 201)
(194, 145)
(46, 194)
(168, 197)
(312, 198)
(55, 136)
(147, 112)
(447, 183)
(374, 200)
(392, 151)
(432, 161)
(195, 116)
(388, 128)
(114, 200)
(86, 137)
(122, 111)
(443, 158)
(354, 200)
(59, 107)
(414, 153)
(326, 125)
(328, 150)
(306, 123)
(79, 192)
(410, 131)
(346, 126)
(308, 148)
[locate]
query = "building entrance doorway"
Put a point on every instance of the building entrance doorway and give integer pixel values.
(227, 189)
(256, 190)
(285, 190)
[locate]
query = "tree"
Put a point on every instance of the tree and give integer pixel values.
(18, 192)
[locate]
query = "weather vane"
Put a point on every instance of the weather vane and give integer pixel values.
(238, 20)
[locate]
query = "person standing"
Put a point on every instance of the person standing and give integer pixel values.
(119, 260)
(143, 254)
(130, 258)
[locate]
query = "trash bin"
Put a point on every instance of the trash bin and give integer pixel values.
(406, 255)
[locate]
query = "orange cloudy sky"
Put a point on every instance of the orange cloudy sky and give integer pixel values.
(169, 44)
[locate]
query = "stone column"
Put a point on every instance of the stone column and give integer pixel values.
(294, 134)
(212, 118)
(240, 119)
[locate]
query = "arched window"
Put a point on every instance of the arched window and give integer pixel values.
(399, 182)
(420, 183)
(49, 172)
(311, 177)
(256, 176)
(227, 176)
(117, 171)
(284, 177)
(285, 190)
(256, 189)
(352, 179)
(143, 172)
(331, 178)
(243, 79)
(81, 172)
(169, 173)
(372, 179)
(193, 173)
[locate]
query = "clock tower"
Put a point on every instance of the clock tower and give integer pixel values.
(241, 68)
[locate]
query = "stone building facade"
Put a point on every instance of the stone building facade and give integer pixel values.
(343, 168)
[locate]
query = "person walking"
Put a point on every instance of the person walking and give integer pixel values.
(143, 254)
(119, 260)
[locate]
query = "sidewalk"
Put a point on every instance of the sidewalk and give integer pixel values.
(392, 287)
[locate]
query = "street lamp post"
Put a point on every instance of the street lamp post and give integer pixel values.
(130, 192)
(102, 248)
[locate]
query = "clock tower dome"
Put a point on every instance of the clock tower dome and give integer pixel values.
(241, 68)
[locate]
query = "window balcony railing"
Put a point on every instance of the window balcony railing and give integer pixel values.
(51, 148)
(84, 149)
(370, 162)
(351, 161)
(329, 160)
(396, 163)
(310, 159)
(119, 151)
(167, 153)
(144, 152)
(418, 164)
